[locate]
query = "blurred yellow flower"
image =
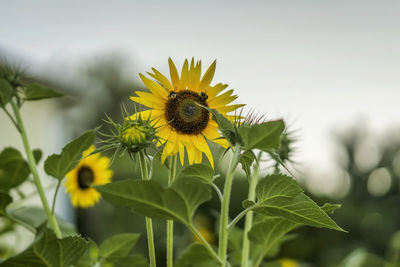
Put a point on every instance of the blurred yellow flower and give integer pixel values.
(177, 113)
(288, 263)
(92, 170)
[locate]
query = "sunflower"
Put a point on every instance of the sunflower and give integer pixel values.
(177, 110)
(92, 170)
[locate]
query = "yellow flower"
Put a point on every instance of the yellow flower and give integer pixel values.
(288, 263)
(135, 134)
(176, 110)
(92, 170)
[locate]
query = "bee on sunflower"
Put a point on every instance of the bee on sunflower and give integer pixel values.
(91, 170)
(178, 110)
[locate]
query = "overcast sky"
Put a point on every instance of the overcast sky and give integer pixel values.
(323, 65)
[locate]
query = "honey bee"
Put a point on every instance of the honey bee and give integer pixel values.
(172, 95)
(203, 96)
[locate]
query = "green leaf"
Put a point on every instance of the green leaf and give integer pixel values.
(6, 92)
(118, 245)
(195, 255)
(300, 209)
(58, 165)
(50, 251)
(247, 203)
(5, 199)
(200, 171)
(270, 230)
(90, 257)
(246, 159)
(37, 154)
(262, 136)
(277, 185)
(149, 198)
(130, 261)
(36, 92)
(225, 126)
(13, 169)
(329, 208)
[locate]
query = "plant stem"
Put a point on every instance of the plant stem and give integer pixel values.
(55, 196)
(223, 227)
(205, 243)
(239, 216)
(32, 166)
(11, 118)
(149, 223)
(170, 223)
(249, 216)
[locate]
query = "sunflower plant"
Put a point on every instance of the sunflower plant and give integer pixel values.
(183, 116)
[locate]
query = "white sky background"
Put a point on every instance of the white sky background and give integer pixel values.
(321, 64)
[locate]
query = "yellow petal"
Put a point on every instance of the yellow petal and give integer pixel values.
(162, 79)
(174, 73)
(181, 152)
(184, 81)
(202, 145)
(154, 100)
(154, 87)
(213, 91)
(208, 76)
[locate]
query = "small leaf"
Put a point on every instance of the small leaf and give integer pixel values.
(6, 92)
(330, 208)
(50, 251)
(37, 92)
(58, 165)
(118, 245)
(200, 171)
(37, 154)
(194, 255)
(13, 169)
(246, 159)
(247, 203)
(225, 126)
(300, 209)
(262, 136)
(150, 199)
(277, 185)
(5, 199)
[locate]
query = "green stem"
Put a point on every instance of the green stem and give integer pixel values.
(32, 166)
(223, 226)
(55, 196)
(11, 118)
(170, 223)
(149, 223)
(249, 216)
(205, 243)
(238, 217)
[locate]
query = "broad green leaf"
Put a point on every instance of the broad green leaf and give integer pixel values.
(36, 92)
(6, 92)
(37, 154)
(262, 136)
(225, 126)
(5, 199)
(149, 198)
(300, 209)
(13, 169)
(50, 251)
(200, 171)
(246, 159)
(195, 255)
(90, 257)
(275, 186)
(130, 261)
(329, 208)
(58, 165)
(118, 245)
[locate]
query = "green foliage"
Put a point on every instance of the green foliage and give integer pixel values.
(13, 169)
(280, 195)
(329, 208)
(262, 136)
(149, 198)
(58, 165)
(226, 127)
(37, 154)
(36, 92)
(117, 246)
(246, 159)
(196, 255)
(6, 92)
(5, 199)
(50, 251)
(200, 171)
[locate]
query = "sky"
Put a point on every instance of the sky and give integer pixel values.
(321, 65)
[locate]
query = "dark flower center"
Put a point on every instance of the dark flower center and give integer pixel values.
(184, 114)
(85, 177)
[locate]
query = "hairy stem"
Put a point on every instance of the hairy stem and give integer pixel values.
(32, 166)
(149, 223)
(170, 223)
(223, 226)
(249, 216)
